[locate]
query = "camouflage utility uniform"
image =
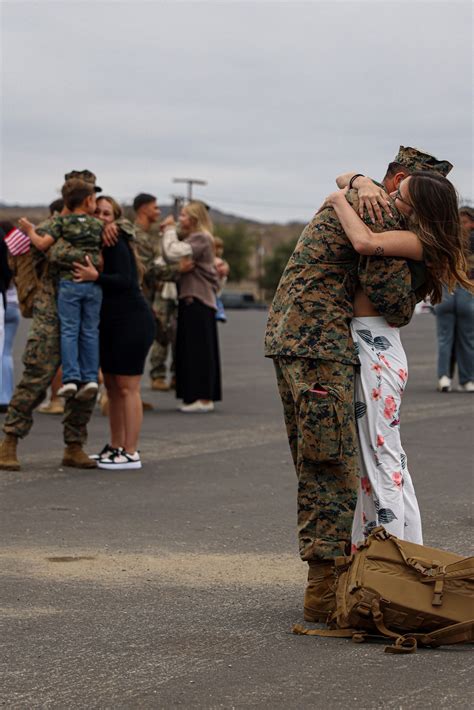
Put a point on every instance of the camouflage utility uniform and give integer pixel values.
(308, 337)
(42, 355)
(164, 309)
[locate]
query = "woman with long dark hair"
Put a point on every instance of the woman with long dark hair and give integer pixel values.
(428, 202)
(126, 334)
(198, 377)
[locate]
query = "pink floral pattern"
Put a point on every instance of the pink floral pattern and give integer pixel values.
(397, 478)
(376, 393)
(380, 440)
(365, 484)
(390, 407)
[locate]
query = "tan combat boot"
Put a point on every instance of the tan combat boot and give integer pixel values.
(159, 384)
(55, 406)
(104, 403)
(76, 457)
(8, 459)
(320, 597)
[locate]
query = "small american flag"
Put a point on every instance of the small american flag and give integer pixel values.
(17, 242)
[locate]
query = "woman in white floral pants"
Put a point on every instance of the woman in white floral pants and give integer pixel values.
(386, 495)
(429, 202)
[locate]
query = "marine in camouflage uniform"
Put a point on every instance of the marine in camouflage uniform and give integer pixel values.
(42, 358)
(157, 273)
(315, 359)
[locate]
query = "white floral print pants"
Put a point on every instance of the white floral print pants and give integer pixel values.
(386, 494)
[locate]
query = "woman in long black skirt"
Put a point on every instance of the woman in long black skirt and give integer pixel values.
(198, 376)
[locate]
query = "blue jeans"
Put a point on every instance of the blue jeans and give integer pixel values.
(79, 314)
(12, 321)
(455, 329)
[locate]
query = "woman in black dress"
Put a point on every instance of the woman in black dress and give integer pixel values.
(126, 334)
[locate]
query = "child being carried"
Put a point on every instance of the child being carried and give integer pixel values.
(78, 303)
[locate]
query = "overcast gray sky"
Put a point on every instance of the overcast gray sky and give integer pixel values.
(267, 101)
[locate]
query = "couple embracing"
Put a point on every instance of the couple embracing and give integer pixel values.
(353, 280)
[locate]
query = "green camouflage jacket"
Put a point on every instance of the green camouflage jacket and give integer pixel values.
(149, 250)
(82, 232)
(313, 304)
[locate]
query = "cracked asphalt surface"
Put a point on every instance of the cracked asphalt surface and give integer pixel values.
(178, 585)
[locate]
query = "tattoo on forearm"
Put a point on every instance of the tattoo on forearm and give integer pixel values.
(379, 251)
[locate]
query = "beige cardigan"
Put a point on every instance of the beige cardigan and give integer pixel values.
(202, 282)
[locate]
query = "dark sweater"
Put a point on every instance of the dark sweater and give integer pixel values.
(119, 279)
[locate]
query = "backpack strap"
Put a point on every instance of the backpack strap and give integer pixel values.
(456, 633)
(462, 632)
(356, 635)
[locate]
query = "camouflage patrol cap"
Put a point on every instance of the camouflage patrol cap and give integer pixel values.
(84, 175)
(415, 159)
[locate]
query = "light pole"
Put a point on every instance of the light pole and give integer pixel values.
(178, 201)
(190, 182)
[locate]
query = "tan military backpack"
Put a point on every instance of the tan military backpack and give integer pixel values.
(410, 593)
(25, 280)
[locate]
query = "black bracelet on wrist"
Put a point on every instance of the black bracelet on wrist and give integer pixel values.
(354, 177)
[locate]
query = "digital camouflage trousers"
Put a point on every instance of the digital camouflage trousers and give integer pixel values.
(41, 359)
(165, 311)
(318, 406)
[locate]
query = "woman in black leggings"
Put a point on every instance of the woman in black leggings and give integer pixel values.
(126, 334)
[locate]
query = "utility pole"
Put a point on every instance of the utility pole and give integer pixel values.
(190, 182)
(178, 202)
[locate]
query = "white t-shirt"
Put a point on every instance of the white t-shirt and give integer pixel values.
(12, 296)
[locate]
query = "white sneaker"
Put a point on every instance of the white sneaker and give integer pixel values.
(197, 407)
(67, 390)
(87, 391)
(106, 451)
(119, 460)
(467, 387)
(444, 384)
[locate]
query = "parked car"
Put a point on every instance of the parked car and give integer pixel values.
(241, 300)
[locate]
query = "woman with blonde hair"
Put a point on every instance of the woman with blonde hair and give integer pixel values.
(126, 334)
(198, 379)
(428, 202)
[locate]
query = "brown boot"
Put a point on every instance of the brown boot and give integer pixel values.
(8, 459)
(320, 597)
(76, 457)
(55, 406)
(147, 406)
(160, 384)
(104, 403)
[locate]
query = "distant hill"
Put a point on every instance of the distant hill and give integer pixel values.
(265, 236)
(268, 234)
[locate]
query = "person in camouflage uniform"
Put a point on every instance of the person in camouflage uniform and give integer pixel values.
(41, 359)
(157, 274)
(308, 337)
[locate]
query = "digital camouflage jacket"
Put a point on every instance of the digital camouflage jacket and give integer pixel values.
(313, 304)
(149, 251)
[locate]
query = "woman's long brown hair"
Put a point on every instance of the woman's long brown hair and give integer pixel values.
(436, 222)
(118, 213)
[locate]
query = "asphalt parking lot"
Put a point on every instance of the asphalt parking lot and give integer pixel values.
(177, 585)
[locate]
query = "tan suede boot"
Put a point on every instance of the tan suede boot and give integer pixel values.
(320, 597)
(76, 457)
(104, 403)
(8, 459)
(160, 385)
